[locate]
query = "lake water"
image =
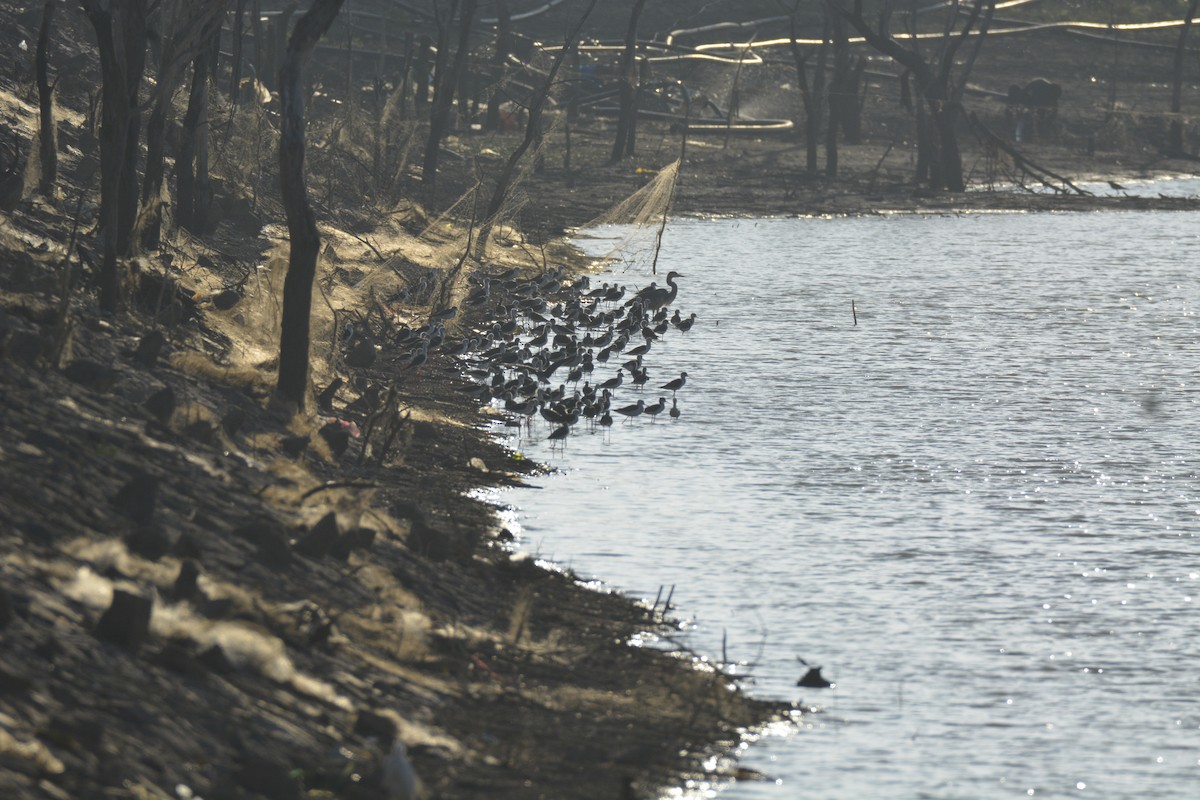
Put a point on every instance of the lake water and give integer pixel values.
(977, 508)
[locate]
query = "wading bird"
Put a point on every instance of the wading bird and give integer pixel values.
(632, 411)
(675, 385)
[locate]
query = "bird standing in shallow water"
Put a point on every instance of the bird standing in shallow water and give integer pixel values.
(613, 383)
(675, 385)
(655, 409)
(654, 297)
(632, 411)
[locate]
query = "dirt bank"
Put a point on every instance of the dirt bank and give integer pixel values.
(292, 594)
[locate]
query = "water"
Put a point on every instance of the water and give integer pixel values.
(977, 509)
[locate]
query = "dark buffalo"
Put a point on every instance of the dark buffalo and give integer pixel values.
(1039, 93)
(1033, 107)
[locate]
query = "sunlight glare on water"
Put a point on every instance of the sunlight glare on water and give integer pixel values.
(977, 508)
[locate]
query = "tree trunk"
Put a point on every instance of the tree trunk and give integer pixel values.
(499, 66)
(114, 124)
(837, 95)
(949, 156)
(1175, 133)
(574, 90)
(421, 74)
(852, 100)
(464, 92)
(195, 134)
(305, 240)
(156, 130)
(47, 141)
(204, 191)
(628, 94)
(447, 80)
(133, 36)
(235, 68)
(807, 100)
(817, 118)
(924, 142)
(643, 78)
(109, 26)
(935, 87)
(256, 29)
(178, 43)
(405, 72)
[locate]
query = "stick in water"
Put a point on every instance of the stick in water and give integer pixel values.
(854, 311)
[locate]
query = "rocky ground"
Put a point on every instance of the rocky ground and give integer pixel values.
(203, 596)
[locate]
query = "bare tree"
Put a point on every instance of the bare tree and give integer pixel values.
(623, 146)
(305, 240)
(1175, 133)
(190, 26)
(837, 94)
(191, 165)
(135, 39)
(533, 127)
(933, 79)
(421, 73)
(811, 94)
(499, 65)
(121, 40)
(447, 81)
(235, 66)
(47, 142)
(852, 100)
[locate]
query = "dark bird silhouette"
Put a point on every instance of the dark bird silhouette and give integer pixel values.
(675, 385)
(613, 383)
(812, 678)
(632, 411)
(654, 297)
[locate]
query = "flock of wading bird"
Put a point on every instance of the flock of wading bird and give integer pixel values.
(549, 332)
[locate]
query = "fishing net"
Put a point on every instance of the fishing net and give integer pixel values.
(635, 224)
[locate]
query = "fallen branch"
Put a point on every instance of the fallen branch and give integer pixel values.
(1036, 170)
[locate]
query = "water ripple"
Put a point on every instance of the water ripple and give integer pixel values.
(976, 509)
